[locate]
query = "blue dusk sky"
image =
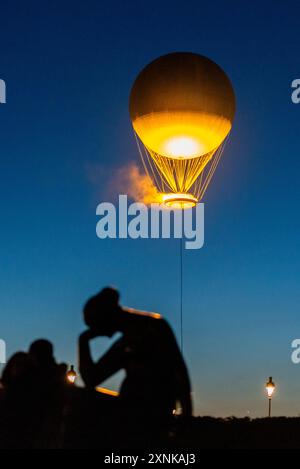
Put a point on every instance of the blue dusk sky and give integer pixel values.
(64, 133)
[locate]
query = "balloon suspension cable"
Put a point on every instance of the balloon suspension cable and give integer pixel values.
(181, 294)
(189, 175)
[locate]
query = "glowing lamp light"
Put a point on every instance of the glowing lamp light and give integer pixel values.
(270, 388)
(71, 375)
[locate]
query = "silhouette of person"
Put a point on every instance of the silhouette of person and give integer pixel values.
(32, 399)
(47, 370)
(51, 393)
(18, 374)
(17, 404)
(156, 375)
(41, 351)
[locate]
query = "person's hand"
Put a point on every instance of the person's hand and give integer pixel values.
(89, 334)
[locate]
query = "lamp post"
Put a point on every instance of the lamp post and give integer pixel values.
(270, 388)
(71, 375)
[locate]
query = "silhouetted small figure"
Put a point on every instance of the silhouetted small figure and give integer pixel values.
(156, 375)
(50, 392)
(17, 403)
(18, 374)
(41, 351)
(48, 372)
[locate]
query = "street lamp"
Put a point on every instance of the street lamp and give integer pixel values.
(71, 375)
(270, 388)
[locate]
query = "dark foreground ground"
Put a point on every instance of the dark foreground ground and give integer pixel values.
(73, 418)
(233, 433)
(196, 434)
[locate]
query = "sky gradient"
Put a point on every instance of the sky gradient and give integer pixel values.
(65, 131)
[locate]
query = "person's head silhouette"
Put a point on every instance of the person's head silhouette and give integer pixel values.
(19, 372)
(102, 311)
(41, 352)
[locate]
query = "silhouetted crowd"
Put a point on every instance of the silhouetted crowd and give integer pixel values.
(40, 409)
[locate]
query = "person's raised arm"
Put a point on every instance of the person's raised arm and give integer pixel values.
(95, 373)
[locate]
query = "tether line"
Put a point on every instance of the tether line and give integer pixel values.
(181, 294)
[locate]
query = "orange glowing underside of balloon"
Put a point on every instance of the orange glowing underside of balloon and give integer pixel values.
(181, 135)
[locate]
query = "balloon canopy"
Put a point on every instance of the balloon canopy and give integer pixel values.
(181, 106)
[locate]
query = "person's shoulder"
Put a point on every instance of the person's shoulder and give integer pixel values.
(156, 320)
(165, 326)
(152, 315)
(144, 314)
(152, 320)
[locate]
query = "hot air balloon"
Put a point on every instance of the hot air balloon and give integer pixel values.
(182, 107)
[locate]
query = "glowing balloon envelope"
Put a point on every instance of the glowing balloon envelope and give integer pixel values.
(181, 106)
